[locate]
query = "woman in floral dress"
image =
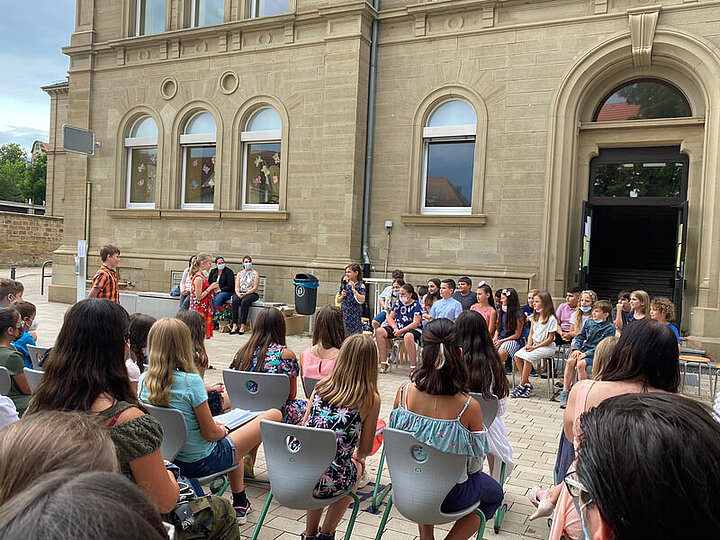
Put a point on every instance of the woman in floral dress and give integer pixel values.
(202, 293)
(352, 297)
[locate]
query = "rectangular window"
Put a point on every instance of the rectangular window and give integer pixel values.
(267, 8)
(653, 179)
(150, 17)
(207, 12)
(262, 176)
(199, 174)
(142, 174)
(448, 177)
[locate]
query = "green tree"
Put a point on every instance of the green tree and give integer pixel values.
(656, 100)
(12, 152)
(33, 185)
(12, 171)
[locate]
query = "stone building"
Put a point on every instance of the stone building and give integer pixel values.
(529, 144)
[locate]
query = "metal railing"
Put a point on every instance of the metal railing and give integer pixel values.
(43, 276)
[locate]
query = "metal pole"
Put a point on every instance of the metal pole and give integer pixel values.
(12, 273)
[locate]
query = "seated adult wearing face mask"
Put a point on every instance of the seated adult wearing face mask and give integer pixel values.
(404, 322)
(247, 282)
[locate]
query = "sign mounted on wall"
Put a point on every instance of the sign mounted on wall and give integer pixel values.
(81, 141)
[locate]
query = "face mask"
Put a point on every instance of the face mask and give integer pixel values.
(404, 299)
(221, 267)
(395, 293)
(504, 308)
(205, 273)
(538, 310)
(248, 266)
(34, 325)
(586, 309)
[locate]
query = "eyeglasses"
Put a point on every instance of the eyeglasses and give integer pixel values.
(576, 488)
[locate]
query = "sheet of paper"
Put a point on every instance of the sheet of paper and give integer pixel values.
(236, 418)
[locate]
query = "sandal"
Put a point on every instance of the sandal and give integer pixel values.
(249, 466)
(386, 367)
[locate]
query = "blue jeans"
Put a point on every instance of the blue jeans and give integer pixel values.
(380, 317)
(220, 299)
(221, 458)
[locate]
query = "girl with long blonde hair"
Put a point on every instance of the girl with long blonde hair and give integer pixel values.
(202, 291)
(346, 401)
(582, 313)
(172, 380)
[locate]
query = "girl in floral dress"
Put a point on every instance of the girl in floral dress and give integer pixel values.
(352, 297)
(267, 352)
(347, 401)
(201, 293)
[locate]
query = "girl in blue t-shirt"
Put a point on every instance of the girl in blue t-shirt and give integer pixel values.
(404, 322)
(172, 381)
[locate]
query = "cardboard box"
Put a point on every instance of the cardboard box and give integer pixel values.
(287, 311)
(295, 324)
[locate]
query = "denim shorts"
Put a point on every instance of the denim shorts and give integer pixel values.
(221, 458)
(380, 317)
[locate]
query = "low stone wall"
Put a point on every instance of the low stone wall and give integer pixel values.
(27, 240)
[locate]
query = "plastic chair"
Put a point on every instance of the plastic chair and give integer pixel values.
(174, 436)
(35, 355)
(255, 391)
(422, 477)
(309, 384)
(295, 469)
(489, 407)
(5, 381)
(33, 376)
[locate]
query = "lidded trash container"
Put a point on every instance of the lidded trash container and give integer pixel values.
(306, 286)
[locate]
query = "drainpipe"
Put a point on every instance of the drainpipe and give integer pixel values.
(372, 99)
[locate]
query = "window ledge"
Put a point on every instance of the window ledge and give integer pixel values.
(430, 220)
(137, 213)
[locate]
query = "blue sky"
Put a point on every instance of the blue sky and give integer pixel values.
(33, 31)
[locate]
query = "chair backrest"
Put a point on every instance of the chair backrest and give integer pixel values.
(489, 408)
(296, 457)
(421, 477)
(33, 376)
(309, 385)
(174, 429)
(256, 391)
(5, 381)
(35, 355)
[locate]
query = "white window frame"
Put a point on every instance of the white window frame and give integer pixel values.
(247, 137)
(254, 4)
(130, 144)
(445, 134)
(196, 140)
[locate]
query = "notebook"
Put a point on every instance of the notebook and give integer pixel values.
(236, 418)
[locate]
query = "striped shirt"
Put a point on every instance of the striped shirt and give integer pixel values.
(106, 281)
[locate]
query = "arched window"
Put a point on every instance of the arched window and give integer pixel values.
(262, 160)
(198, 150)
(150, 17)
(449, 155)
(141, 148)
(642, 99)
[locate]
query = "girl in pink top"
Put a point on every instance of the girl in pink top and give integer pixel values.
(485, 306)
(317, 362)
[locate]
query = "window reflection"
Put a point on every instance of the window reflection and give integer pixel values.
(150, 17)
(643, 99)
(207, 12)
(656, 179)
(449, 174)
(267, 8)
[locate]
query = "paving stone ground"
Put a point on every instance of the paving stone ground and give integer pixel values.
(533, 425)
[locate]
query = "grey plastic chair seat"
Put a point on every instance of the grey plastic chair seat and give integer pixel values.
(422, 477)
(175, 434)
(5, 381)
(309, 385)
(294, 471)
(489, 408)
(33, 376)
(35, 355)
(256, 391)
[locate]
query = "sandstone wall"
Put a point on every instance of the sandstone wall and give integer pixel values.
(28, 239)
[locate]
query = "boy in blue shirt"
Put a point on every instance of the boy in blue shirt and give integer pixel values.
(595, 329)
(27, 316)
(447, 307)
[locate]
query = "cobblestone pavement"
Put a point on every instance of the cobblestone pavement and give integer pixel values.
(533, 425)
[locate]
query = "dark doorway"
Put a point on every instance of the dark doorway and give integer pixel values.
(634, 223)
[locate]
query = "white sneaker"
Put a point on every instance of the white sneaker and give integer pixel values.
(364, 480)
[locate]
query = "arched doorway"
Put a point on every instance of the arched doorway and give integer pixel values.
(634, 222)
(575, 139)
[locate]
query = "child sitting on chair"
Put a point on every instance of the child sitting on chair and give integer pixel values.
(347, 401)
(593, 332)
(404, 322)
